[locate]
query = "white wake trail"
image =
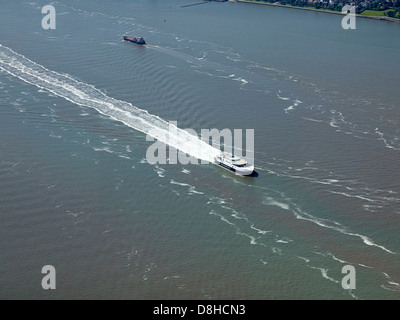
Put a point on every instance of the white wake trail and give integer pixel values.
(84, 94)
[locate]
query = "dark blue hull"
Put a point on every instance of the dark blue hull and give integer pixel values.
(139, 41)
(223, 165)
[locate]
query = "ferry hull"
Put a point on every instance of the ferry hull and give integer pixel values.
(247, 171)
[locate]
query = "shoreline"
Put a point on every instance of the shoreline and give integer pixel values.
(381, 18)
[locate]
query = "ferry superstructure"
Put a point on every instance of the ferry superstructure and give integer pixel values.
(234, 164)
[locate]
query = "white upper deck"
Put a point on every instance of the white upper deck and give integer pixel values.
(231, 158)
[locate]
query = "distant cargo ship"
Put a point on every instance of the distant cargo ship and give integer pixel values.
(135, 40)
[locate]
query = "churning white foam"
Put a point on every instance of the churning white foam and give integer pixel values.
(83, 94)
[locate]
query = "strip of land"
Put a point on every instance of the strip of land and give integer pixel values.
(277, 4)
(192, 4)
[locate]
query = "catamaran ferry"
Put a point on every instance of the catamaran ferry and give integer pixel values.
(234, 164)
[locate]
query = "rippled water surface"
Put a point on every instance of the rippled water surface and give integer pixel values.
(77, 192)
